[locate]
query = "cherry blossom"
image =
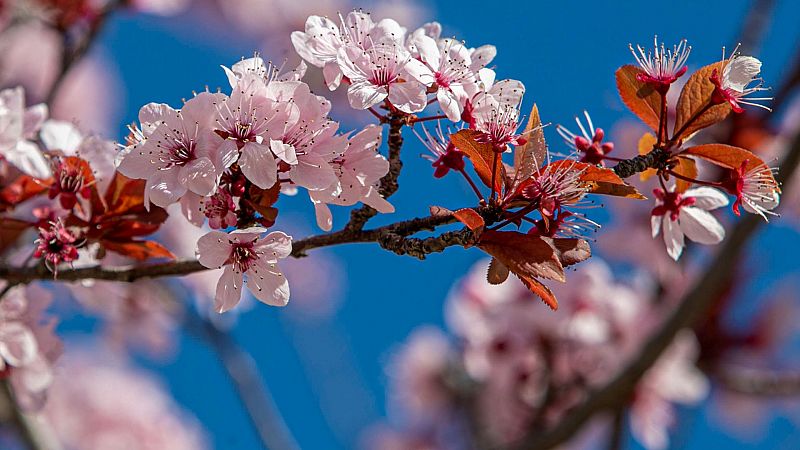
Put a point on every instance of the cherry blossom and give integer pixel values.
(662, 66)
(105, 403)
(680, 214)
(448, 69)
(446, 156)
(358, 171)
(28, 344)
(244, 252)
(56, 244)
(18, 128)
(385, 71)
(755, 189)
(180, 154)
(322, 40)
(735, 84)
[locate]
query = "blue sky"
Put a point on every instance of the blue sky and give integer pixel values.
(327, 377)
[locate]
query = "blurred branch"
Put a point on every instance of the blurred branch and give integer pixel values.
(250, 388)
(615, 441)
(754, 24)
(73, 50)
(691, 308)
(768, 383)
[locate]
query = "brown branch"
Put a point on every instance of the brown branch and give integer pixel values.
(74, 50)
(691, 308)
(760, 382)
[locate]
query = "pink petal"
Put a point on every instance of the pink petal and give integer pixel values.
(229, 290)
(700, 226)
(673, 238)
(199, 176)
(213, 249)
(259, 165)
(268, 284)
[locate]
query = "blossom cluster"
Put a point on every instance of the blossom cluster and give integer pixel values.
(522, 370)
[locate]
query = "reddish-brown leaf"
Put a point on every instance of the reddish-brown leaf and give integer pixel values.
(471, 219)
(531, 156)
(139, 250)
(726, 156)
(11, 230)
(540, 290)
(21, 189)
(497, 272)
(638, 96)
(123, 195)
(686, 167)
(523, 254)
(482, 157)
(696, 97)
(646, 144)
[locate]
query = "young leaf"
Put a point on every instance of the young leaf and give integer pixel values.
(646, 144)
(540, 290)
(471, 219)
(10, 231)
(638, 96)
(686, 167)
(726, 156)
(523, 254)
(482, 157)
(497, 272)
(139, 250)
(529, 157)
(696, 97)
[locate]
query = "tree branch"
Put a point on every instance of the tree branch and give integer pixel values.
(761, 382)
(250, 388)
(693, 305)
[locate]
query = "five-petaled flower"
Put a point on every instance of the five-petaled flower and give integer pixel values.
(755, 189)
(736, 82)
(680, 214)
(661, 67)
(244, 252)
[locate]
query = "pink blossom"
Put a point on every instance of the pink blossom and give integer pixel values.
(181, 153)
(755, 189)
(243, 252)
(56, 244)
(18, 128)
(386, 71)
(687, 214)
(674, 378)
(589, 144)
(662, 67)
(358, 171)
(28, 344)
(98, 406)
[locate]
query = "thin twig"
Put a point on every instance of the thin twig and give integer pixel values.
(248, 383)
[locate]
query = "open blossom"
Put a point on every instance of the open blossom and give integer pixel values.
(180, 154)
(662, 66)
(590, 143)
(755, 189)
(244, 252)
(383, 72)
(308, 142)
(28, 344)
(358, 171)
(680, 214)
(448, 68)
(322, 39)
(446, 156)
(735, 84)
(18, 128)
(674, 378)
(99, 404)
